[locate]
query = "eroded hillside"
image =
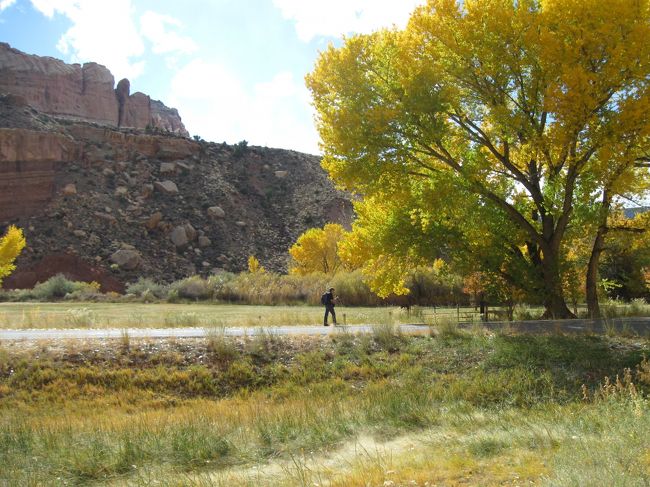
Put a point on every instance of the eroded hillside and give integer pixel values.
(113, 204)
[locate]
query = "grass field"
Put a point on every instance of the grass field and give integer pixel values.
(380, 409)
(138, 315)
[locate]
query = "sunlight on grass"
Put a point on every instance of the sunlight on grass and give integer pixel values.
(381, 408)
(139, 315)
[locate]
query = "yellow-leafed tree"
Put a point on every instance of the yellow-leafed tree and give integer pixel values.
(254, 266)
(10, 247)
(316, 250)
(494, 132)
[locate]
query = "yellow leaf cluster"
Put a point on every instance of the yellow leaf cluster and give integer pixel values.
(10, 247)
(254, 266)
(316, 250)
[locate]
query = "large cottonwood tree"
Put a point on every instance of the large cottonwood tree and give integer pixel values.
(489, 129)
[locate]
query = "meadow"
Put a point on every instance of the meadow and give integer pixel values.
(164, 315)
(451, 408)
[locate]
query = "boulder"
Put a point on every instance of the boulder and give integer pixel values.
(183, 166)
(179, 237)
(167, 167)
(127, 259)
(166, 187)
(121, 191)
(281, 174)
(204, 242)
(216, 212)
(69, 189)
(147, 191)
(153, 221)
(190, 232)
(105, 217)
(240, 224)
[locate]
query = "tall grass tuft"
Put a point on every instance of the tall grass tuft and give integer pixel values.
(219, 346)
(387, 334)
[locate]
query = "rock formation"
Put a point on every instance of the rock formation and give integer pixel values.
(131, 204)
(81, 92)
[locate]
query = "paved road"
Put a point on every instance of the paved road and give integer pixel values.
(639, 326)
(189, 332)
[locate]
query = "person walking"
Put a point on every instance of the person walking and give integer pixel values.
(328, 300)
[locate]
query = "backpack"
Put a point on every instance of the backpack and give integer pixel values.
(323, 299)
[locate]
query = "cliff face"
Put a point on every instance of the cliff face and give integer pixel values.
(122, 204)
(81, 92)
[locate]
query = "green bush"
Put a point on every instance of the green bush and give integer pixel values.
(145, 287)
(59, 287)
(195, 288)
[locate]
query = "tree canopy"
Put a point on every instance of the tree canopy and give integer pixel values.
(316, 250)
(493, 132)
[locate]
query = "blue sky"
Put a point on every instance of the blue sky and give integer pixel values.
(234, 68)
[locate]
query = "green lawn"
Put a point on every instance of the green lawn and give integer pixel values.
(138, 315)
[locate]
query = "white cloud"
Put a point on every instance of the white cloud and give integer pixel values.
(216, 105)
(334, 18)
(155, 28)
(102, 31)
(5, 4)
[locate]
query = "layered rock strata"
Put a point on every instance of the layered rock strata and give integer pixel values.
(81, 92)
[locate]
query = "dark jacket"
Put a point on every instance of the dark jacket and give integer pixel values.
(329, 299)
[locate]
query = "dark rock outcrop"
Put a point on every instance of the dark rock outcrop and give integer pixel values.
(230, 202)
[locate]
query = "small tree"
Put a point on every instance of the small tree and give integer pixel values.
(316, 250)
(254, 266)
(10, 247)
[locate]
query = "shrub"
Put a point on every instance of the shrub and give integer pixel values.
(195, 288)
(353, 291)
(219, 280)
(56, 287)
(240, 148)
(145, 287)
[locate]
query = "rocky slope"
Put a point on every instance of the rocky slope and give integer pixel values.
(81, 92)
(111, 204)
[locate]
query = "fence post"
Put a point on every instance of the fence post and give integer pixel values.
(458, 312)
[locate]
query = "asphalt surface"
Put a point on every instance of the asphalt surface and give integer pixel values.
(636, 326)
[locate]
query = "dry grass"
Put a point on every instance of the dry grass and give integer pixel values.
(383, 409)
(139, 315)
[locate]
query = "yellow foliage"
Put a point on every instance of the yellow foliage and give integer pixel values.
(316, 250)
(10, 247)
(254, 266)
(522, 112)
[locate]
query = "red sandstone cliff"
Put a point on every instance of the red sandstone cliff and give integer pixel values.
(81, 92)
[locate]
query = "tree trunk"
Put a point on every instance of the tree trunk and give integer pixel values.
(593, 307)
(554, 303)
(591, 285)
